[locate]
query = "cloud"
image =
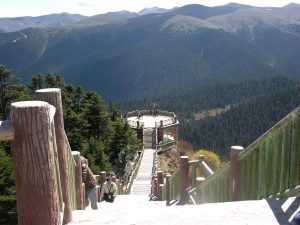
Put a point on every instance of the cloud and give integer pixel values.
(85, 4)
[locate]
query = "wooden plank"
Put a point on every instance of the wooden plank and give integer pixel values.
(244, 177)
(269, 169)
(227, 184)
(276, 163)
(255, 174)
(262, 171)
(279, 159)
(284, 159)
(295, 155)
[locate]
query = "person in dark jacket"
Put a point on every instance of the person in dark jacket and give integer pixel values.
(90, 184)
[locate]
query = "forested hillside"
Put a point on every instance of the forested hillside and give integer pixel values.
(127, 55)
(254, 107)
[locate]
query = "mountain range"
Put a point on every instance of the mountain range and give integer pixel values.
(157, 51)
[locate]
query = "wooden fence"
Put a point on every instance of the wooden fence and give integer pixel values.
(269, 167)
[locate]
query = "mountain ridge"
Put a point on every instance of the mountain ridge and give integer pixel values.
(126, 55)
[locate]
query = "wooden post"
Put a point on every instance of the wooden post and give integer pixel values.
(160, 134)
(78, 180)
(102, 181)
(34, 163)
(53, 97)
(160, 186)
(168, 189)
(155, 186)
(184, 179)
(160, 178)
(176, 132)
(102, 177)
(235, 173)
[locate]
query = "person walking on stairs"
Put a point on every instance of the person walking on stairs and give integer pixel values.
(89, 183)
(109, 190)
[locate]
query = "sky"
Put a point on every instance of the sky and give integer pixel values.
(16, 8)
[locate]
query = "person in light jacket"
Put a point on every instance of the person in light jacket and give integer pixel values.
(109, 190)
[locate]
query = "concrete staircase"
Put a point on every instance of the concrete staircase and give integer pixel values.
(138, 210)
(142, 184)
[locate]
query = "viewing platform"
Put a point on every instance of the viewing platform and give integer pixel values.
(157, 129)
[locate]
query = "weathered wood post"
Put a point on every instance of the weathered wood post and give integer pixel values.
(155, 186)
(78, 180)
(102, 181)
(160, 177)
(168, 189)
(160, 193)
(184, 179)
(102, 177)
(53, 97)
(235, 173)
(98, 187)
(34, 163)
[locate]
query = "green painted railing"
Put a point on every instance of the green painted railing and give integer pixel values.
(71, 171)
(174, 185)
(216, 188)
(269, 166)
(57, 173)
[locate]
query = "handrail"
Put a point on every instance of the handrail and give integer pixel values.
(175, 185)
(71, 171)
(137, 113)
(134, 173)
(216, 188)
(135, 124)
(269, 167)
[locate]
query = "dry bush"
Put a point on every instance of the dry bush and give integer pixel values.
(170, 159)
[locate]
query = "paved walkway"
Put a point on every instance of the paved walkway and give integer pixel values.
(142, 184)
(138, 210)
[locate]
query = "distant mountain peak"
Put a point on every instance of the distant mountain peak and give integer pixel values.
(152, 10)
(123, 12)
(237, 5)
(292, 5)
(51, 20)
(187, 24)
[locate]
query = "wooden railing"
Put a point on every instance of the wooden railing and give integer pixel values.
(269, 167)
(133, 173)
(175, 187)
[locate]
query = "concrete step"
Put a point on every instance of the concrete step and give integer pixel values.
(138, 210)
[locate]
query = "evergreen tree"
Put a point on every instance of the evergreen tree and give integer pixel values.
(10, 90)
